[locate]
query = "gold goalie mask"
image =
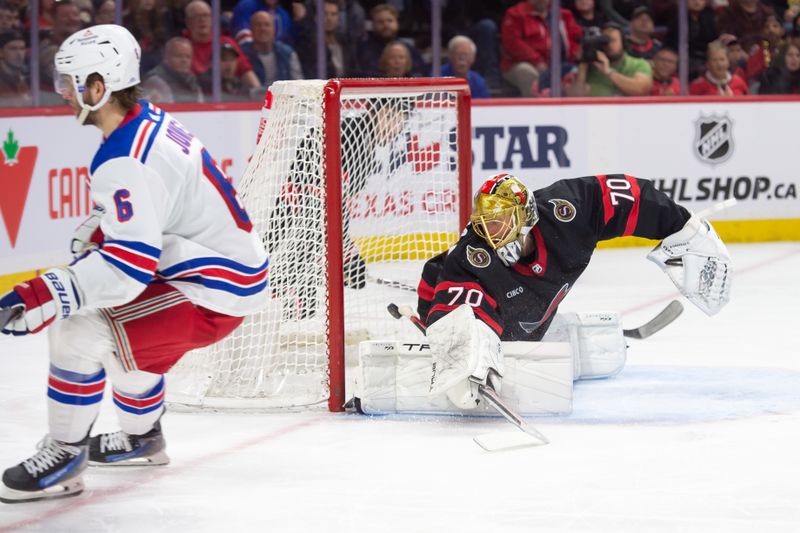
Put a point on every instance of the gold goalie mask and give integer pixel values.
(503, 206)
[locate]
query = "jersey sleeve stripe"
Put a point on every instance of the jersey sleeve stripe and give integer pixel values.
(225, 286)
(137, 246)
(425, 291)
(143, 263)
(199, 262)
(143, 277)
(223, 274)
(446, 285)
(633, 216)
(605, 194)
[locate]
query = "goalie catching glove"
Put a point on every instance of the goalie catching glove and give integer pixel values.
(39, 302)
(466, 353)
(698, 263)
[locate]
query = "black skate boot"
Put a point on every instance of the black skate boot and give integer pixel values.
(52, 472)
(121, 449)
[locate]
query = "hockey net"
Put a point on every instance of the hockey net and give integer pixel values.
(353, 184)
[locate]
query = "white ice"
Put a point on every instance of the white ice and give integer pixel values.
(701, 432)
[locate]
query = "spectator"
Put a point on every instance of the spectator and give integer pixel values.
(480, 21)
(745, 19)
(66, 21)
(104, 14)
(175, 16)
(614, 72)
(233, 87)
(718, 81)
(352, 27)
(14, 83)
(770, 44)
(461, 55)
(244, 10)
(384, 31)
(702, 30)
(783, 75)
(198, 31)
(395, 61)
(86, 10)
(588, 13)
(147, 21)
(640, 40)
(9, 18)
(272, 60)
(665, 82)
(737, 57)
(527, 42)
(45, 17)
(173, 81)
(340, 59)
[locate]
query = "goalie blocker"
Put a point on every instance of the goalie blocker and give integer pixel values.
(537, 377)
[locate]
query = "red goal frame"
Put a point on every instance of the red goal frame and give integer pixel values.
(334, 89)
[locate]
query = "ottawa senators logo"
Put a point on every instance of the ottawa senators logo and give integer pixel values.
(563, 210)
(478, 257)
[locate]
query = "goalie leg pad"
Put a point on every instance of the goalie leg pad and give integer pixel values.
(598, 344)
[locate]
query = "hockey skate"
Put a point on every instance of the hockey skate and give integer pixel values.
(121, 449)
(52, 472)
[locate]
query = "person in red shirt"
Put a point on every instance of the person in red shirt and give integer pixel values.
(665, 82)
(527, 42)
(768, 47)
(718, 81)
(198, 31)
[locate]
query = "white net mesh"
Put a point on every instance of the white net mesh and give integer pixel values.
(400, 196)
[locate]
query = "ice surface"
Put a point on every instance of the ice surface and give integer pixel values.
(701, 432)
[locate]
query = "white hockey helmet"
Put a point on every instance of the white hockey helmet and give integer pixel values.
(108, 50)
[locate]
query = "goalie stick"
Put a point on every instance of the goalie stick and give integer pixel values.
(667, 315)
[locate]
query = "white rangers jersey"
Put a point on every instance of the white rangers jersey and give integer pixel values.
(169, 215)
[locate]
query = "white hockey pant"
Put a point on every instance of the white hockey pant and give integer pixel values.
(81, 357)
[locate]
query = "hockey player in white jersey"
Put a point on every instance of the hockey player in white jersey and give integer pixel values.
(167, 262)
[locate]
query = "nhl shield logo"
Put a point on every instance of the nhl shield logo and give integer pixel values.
(478, 257)
(713, 141)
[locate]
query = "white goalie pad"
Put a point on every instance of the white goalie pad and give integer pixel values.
(698, 263)
(598, 344)
(394, 377)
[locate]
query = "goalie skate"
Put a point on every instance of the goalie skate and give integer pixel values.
(121, 449)
(54, 471)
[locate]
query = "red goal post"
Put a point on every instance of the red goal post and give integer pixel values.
(351, 181)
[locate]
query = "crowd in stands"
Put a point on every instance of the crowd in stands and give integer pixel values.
(502, 47)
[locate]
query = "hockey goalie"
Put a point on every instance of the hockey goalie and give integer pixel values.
(489, 304)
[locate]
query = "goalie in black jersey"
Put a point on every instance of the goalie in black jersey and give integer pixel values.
(522, 252)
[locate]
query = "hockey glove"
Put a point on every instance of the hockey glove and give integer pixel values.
(88, 235)
(698, 263)
(38, 302)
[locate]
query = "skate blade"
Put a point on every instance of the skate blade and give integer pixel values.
(157, 459)
(65, 489)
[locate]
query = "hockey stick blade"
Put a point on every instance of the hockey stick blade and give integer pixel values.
(493, 442)
(668, 315)
(8, 314)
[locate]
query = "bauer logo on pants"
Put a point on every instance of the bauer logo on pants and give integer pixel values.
(713, 141)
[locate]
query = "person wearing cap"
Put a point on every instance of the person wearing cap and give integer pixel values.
(173, 81)
(737, 57)
(14, 81)
(717, 80)
(233, 86)
(640, 40)
(614, 72)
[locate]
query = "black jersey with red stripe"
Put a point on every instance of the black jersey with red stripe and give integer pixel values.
(519, 302)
